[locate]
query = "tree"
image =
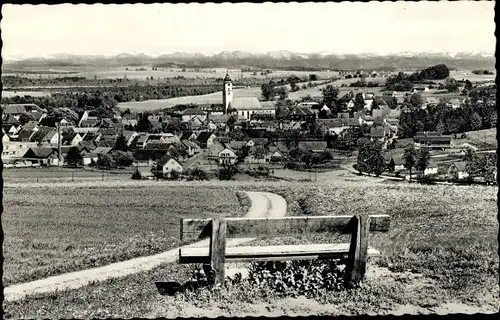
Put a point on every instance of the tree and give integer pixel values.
(451, 84)
(144, 125)
(267, 91)
(391, 166)
(259, 152)
(475, 121)
(440, 127)
(282, 92)
(330, 94)
(227, 171)
(423, 159)
(25, 118)
(359, 102)
(370, 158)
(313, 77)
(74, 158)
(123, 159)
(121, 143)
(104, 161)
(416, 100)
(468, 85)
(410, 156)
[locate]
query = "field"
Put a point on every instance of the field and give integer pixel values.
(115, 73)
(215, 97)
(440, 254)
(49, 231)
(43, 174)
(483, 139)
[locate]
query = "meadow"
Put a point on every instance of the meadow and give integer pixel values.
(441, 251)
(485, 139)
(53, 230)
(115, 73)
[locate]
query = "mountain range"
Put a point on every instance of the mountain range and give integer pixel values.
(270, 60)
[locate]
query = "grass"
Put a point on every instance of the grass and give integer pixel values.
(445, 236)
(483, 139)
(49, 231)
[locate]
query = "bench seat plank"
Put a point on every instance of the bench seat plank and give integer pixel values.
(195, 229)
(271, 253)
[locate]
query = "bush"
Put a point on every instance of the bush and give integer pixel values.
(226, 171)
(173, 175)
(196, 174)
(297, 278)
(136, 175)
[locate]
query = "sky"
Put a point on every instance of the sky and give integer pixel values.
(372, 27)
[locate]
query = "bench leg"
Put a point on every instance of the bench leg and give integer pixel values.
(358, 251)
(217, 252)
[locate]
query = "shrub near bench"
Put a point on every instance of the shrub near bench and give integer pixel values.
(216, 254)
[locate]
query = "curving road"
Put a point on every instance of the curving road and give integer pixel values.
(264, 204)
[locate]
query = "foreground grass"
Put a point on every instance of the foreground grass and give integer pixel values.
(441, 248)
(50, 231)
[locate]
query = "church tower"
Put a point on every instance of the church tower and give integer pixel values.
(227, 93)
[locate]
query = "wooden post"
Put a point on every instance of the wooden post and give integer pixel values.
(356, 261)
(217, 252)
(73, 176)
(103, 176)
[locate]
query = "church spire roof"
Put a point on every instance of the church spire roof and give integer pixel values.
(227, 78)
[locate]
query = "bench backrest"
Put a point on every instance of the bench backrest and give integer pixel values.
(192, 229)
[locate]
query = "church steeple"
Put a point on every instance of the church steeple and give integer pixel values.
(227, 93)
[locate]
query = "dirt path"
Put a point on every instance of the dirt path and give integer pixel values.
(264, 204)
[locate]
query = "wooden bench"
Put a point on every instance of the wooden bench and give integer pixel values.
(218, 230)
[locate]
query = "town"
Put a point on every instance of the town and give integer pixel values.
(275, 132)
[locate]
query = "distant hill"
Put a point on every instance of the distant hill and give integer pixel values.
(271, 60)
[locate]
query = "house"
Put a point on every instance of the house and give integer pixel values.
(51, 138)
(25, 135)
(313, 146)
(213, 151)
(188, 135)
(129, 122)
(191, 113)
(30, 125)
(144, 173)
(31, 110)
(454, 103)
(87, 121)
(140, 140)
(93, 155)
(129, 136)
(71, 138)
(237, 145)
(457, 171)
(434, 140)
(169, 164)
(227, 156)
(210, 125)
(15, 149)
(300, 114)
(148, 157)
(195, 123)
(276, 156)
(399, 162)
(44, 156)
(205, 139)
(12, 129)
(191, 146)
(279, 146)
(431, 169)
(87, 145)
